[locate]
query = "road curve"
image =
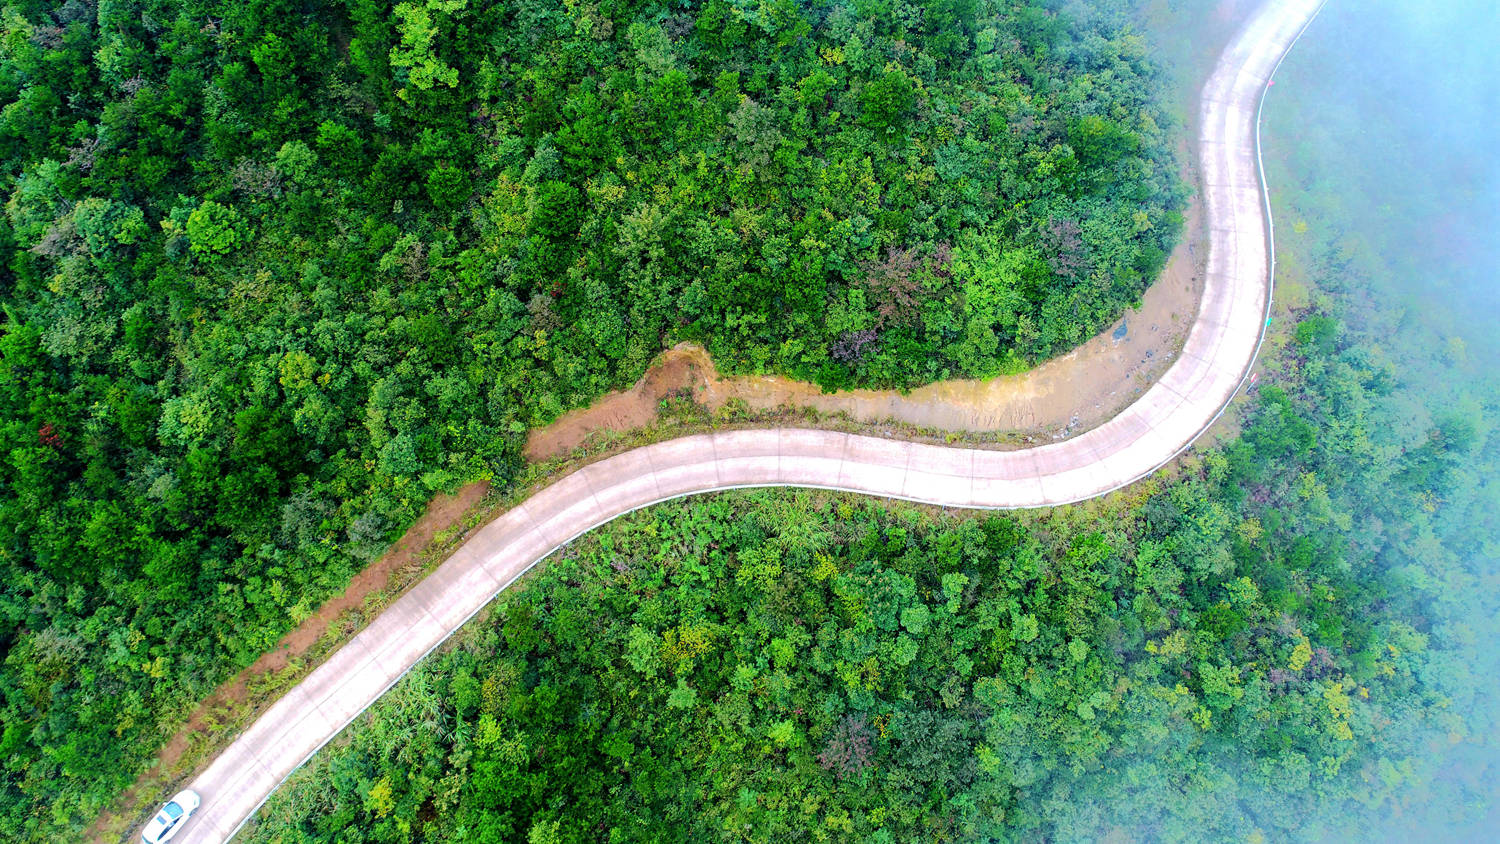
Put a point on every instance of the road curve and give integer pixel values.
(1166, 420)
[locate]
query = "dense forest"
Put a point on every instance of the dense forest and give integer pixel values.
(1256, 649)
(276, 272)
(1292, 639)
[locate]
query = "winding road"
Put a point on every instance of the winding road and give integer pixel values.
(1219, 352)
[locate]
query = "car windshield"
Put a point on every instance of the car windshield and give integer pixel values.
(172, 810)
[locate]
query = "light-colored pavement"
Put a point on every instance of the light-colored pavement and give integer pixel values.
(1166, 420)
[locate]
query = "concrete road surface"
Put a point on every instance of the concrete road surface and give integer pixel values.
(1218, 354)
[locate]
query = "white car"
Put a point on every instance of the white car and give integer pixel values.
(171, 817)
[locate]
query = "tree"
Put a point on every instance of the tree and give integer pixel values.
(419, 26)
(215, 230)
(447, 187)
(887, 100)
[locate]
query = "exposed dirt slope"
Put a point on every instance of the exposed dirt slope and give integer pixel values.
(1063, 396)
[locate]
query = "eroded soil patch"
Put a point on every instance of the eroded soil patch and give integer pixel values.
(1062, 397)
